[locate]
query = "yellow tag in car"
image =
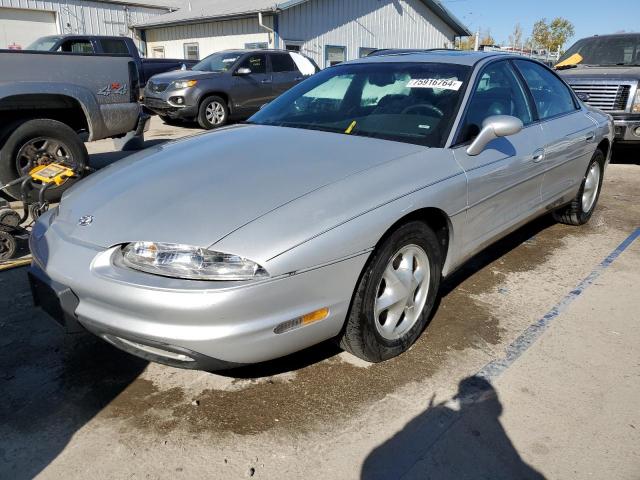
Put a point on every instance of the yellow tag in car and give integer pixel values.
(574, 59)
(351, 127)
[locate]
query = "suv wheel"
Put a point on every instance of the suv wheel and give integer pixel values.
(213, 113)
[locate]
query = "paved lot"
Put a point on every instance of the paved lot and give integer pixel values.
(562, 405)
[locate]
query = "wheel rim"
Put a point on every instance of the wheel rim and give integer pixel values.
(402, 292)
(7, 246)
(591, 184)
(215, 113)
(43, 151)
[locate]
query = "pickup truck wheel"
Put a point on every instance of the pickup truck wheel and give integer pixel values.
(213, 113)
(40, 142)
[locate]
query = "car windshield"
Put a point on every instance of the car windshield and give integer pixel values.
(44, 43)
(622, 50)
(218, 62)
(404, 102)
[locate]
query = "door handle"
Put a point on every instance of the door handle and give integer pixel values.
(297, 79)
(590, 136)
(266, 80)
(538, 156)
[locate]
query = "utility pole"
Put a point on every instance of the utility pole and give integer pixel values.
(477, 45)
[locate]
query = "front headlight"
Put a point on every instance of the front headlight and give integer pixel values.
(184, 261)
(180, 84)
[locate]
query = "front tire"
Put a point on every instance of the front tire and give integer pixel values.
(395, 295)
(41, 142)
(579, 211)
(213, 113)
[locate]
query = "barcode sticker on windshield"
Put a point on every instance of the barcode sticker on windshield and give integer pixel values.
(436, 83)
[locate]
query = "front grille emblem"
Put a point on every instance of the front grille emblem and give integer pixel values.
(85, 220)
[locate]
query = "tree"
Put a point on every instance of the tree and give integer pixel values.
(515, 39)
(554, 35)
(487, 38)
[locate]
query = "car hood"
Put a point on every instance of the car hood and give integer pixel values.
(174, 75)
(197, 191)
(618, 72)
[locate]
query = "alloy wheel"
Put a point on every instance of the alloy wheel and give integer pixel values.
(402, 292)
(215, 113)
(591, 184)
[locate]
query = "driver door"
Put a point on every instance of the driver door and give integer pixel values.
(252, 91)
(504, 180)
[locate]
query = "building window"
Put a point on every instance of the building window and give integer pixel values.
(157, 52)
(191, 51)
(256, 46)
(335, 55)
(365, 51)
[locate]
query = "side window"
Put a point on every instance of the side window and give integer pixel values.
(498, 92)
(114, 46)
(76, 46)
(552, 97)
(283, 63)
(256, 63)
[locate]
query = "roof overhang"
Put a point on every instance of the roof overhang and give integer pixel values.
(456, 25)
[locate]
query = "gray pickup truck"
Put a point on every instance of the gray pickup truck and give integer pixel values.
(604, 71)
(147, 67)
(50, 103)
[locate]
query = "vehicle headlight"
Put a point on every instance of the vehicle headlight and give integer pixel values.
(184, 261)
(180, 84)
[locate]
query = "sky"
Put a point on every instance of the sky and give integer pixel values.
(590, 17)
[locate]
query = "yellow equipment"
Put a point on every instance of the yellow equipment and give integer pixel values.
(51, 173)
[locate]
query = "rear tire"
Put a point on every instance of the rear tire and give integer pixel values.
(579, 211)
(395, 295)
(213, 113)
(25, 148)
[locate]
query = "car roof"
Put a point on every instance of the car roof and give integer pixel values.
(459, 57)
(253, 50)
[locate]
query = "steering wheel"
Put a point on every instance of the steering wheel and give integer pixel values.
(424, 106)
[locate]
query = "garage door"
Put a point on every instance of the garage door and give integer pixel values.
(19, 27)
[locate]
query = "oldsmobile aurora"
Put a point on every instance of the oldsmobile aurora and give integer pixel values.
(333, 213)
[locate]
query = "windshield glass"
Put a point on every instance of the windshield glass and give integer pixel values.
(404, 102)
(218, 62)
(44, 43)
(622, 50)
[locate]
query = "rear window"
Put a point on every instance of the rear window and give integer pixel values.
(114, 46)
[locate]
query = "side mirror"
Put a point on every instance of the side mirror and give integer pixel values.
(243, 71)
(492, 128)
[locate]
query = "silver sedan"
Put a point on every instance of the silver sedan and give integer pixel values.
(333, 213)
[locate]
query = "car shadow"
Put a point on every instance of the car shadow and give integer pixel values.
(52, 384)
(626, 155)
(461, 438)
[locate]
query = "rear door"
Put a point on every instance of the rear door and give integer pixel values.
(252, 91)
(568, 133)
(504, 180)
(285, 72)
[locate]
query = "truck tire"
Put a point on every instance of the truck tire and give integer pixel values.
(40, 142)
(213, 113)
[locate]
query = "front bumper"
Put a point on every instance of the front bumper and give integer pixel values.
(214, 324)
(181, 104)
(627, 128)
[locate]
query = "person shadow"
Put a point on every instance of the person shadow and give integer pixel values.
(458, 439)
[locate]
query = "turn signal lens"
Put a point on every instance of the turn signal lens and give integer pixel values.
(307, 319)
